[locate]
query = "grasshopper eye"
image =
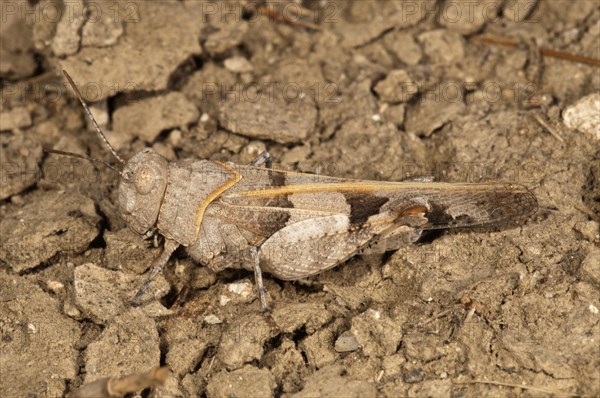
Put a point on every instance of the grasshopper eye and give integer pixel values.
(145, 180)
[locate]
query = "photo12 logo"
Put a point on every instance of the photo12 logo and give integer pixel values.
(255, 11)
(50, 11)
(270, 91)
(59, 169)
(53, 91)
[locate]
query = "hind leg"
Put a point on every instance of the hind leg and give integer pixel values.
(258, 281)
(247, 258)
(264, 158)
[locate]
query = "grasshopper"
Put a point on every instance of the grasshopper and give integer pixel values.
(290, 225)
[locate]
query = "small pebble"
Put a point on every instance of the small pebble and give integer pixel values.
(238, 64)
(413, 376)
(583, 115)
(346, 343)
(243, 288)
(72, 311)
(55, 286)
(396, 87)
(175, 137)
(17, 199)
(212, 319)
(589, 229)
(223, 300)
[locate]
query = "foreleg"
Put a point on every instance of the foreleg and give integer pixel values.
(157, 266)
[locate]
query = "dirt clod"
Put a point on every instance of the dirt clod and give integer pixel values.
(583, 115)
(31, 323)
(375, 333)
(248, 381)
(68, 32)
(20, 156)
(48, 224)
(248, 117)
(15, 119)
(147, 118)
(396, 87)
(346, 343)
(103, 294)
(17, 59)
(244, 340)
(125, 251)
(128, 345)
(291, 317)
(160, 35)
(329, 381)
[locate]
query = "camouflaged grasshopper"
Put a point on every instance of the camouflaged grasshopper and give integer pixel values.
(291, 225)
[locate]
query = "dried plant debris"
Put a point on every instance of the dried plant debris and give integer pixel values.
(108, 387)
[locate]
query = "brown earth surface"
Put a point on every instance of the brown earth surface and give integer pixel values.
(380, 90)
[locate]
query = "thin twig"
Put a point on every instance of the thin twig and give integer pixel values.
(277, 16)
(550, 129)
(433, 318)
(469, 315)
(524, 387)
(543, 50)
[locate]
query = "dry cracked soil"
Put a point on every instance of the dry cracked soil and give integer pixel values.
(462, 91)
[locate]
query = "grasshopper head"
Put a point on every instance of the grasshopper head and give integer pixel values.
(143, 178)
(141, 190)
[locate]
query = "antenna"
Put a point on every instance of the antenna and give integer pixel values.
(76, 155)
(98, 129)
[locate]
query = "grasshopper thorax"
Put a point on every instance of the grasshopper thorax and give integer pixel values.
(142, 188)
